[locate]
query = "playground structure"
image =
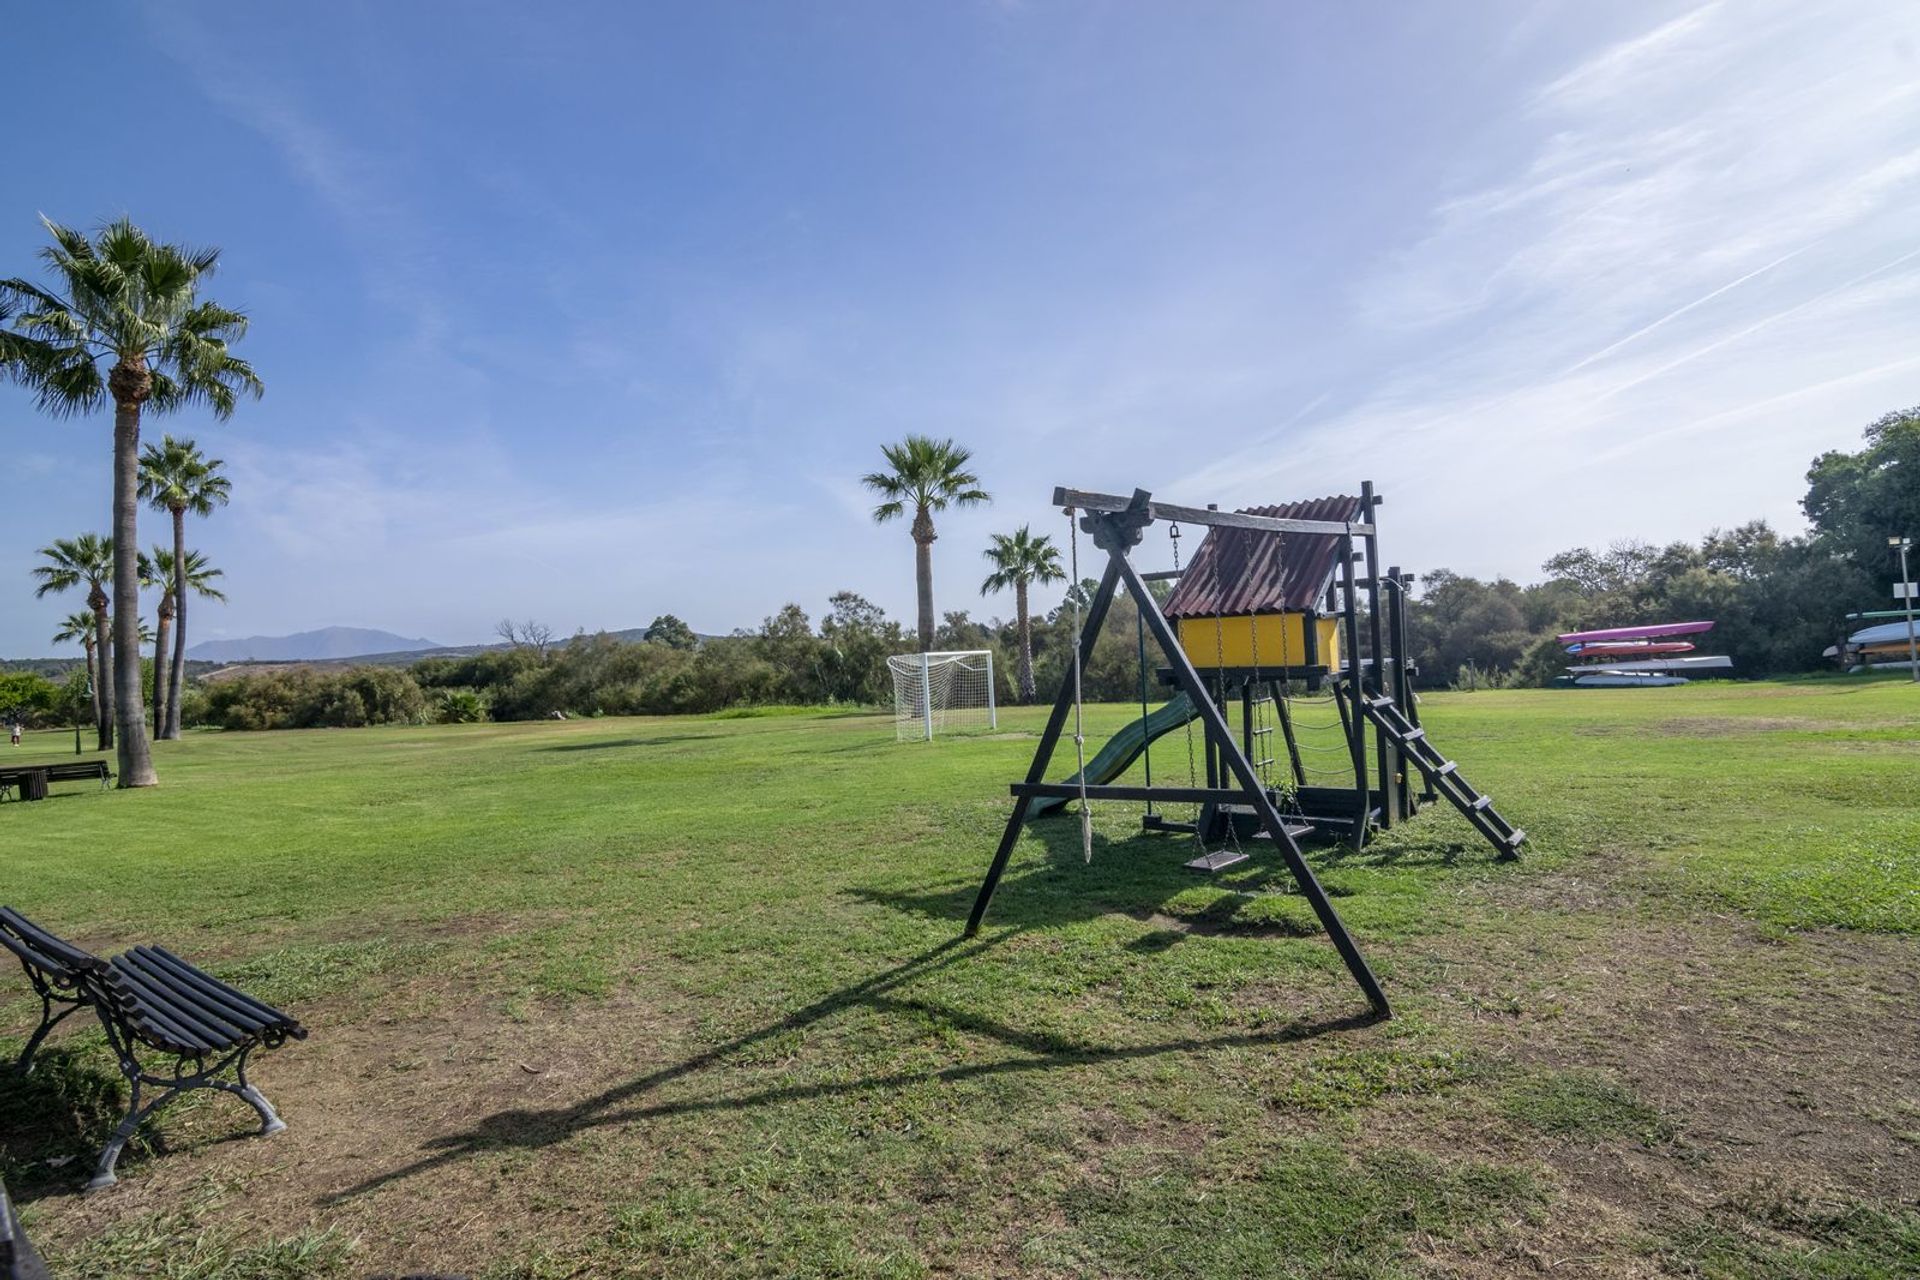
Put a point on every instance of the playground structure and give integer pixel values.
(1269, 609)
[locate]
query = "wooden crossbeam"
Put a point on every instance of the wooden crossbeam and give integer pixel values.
(1081, 500)
(1123, 791)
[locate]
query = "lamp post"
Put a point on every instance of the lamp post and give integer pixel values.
(1904, 545)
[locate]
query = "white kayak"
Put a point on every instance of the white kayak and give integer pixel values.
(1881, 634)
(1649, 680)
(1658, 666)
(1900, 664)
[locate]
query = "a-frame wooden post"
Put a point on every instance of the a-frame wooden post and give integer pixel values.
(1116, 533)
(1043, 754)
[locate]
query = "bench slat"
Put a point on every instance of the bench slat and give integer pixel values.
(147, 1008)
(181, 1003)
(193, 998)
(206, 987)
(185, 992)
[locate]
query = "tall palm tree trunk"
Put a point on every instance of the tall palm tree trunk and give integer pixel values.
(178, 677)
(160, 630)
(1026, 641)
(923, 538)
(103, 664)
(93, 679)
(129, 717)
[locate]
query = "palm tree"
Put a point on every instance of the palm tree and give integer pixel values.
(176, 478)
(929, 475)
(1020, 558)
(157, 571)
(80, 629)
(177, 579)
(86, 561)
(124, 322)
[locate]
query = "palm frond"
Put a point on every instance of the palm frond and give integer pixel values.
(928, 474)
(175, 476)
(76, 628)
(1021, 556)
(124, 295)
(86, 560)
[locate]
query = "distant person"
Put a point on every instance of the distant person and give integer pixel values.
(15, 727)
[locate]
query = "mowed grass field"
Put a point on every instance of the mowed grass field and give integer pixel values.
(688, 997)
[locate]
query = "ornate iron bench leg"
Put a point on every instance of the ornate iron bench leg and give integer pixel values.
(103, 1175)
(48, 1021)
(202, 1077)
(270, 1121)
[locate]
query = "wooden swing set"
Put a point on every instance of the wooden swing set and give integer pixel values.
(1278, 580)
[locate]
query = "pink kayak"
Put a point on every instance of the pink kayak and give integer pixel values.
(1630, 649)
(1637, 633)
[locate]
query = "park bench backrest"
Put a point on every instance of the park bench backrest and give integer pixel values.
(46, 955)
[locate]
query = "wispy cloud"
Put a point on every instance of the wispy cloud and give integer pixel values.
(1706, 237)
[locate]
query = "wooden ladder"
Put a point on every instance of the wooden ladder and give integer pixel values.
(1443, 776)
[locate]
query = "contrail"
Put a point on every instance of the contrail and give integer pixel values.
(1608, 350)
(1755, 327)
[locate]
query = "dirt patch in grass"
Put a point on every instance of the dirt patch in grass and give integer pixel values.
(474, 1112)
(1708, 727)
(1726, 726)
(1662, 1070)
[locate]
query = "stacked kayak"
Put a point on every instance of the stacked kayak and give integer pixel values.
(1879, 647)
(1643, 657)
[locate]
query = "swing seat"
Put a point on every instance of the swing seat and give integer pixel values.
(1221, 859)
(1218, 860)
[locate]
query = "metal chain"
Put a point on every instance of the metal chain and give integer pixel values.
(1193, 771)
(1220, 687)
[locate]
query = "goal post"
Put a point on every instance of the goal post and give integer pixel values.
(942, 692)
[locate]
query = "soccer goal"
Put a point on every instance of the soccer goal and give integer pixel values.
(942, 693)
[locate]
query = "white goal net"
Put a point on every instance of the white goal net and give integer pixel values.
(942, 693)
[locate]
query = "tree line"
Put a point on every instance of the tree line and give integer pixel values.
(1778, 602)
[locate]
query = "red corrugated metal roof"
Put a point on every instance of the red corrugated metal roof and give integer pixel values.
(1241, 571)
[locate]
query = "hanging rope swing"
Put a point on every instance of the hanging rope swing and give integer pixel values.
(1079, 720)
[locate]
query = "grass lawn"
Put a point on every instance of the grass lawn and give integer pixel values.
(686, 997)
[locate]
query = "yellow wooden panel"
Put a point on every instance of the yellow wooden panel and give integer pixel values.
(1279, 641)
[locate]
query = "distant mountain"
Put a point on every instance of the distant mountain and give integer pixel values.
(308, 646)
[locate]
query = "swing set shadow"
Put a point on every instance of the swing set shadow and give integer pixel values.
(633, 1101)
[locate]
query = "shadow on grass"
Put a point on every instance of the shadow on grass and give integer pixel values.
(54, 1121)
(615, 744)
(629, 1102)
(1142, 876)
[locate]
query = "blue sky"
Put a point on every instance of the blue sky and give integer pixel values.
(588, 313)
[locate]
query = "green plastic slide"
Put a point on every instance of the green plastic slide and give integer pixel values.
(1122, 750)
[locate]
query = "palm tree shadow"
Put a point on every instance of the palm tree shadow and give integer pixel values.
(627, 1103)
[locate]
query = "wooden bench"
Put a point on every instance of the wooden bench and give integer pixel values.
(151, 1004)
(20, 777)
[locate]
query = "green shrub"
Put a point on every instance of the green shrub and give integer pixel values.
(305, 698)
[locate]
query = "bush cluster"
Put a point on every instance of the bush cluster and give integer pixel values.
(39, 703)
(304, 698)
